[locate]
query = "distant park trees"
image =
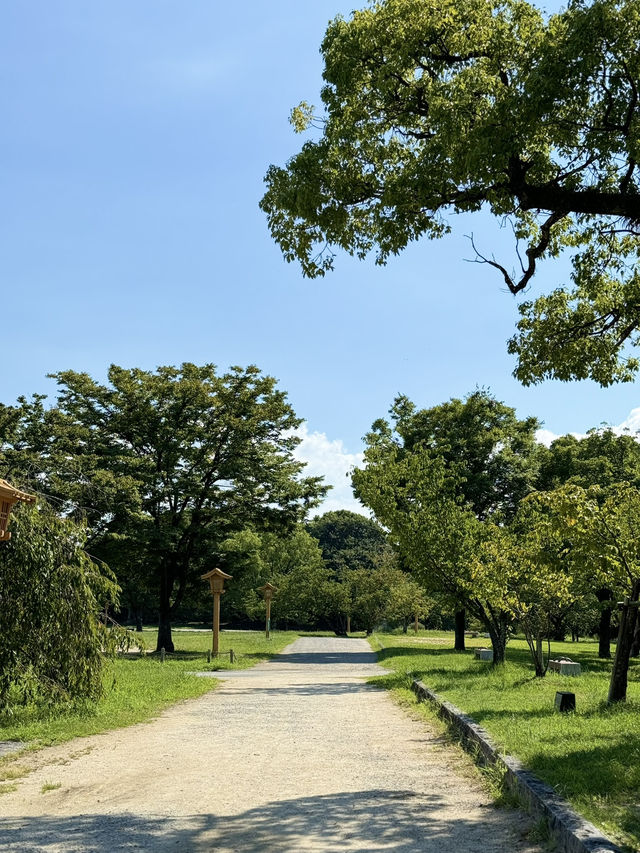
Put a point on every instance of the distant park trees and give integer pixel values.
(337, 571)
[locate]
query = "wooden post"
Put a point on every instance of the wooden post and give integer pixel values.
(267, 590)
(348, 624)
(216, 623)
(216, 578)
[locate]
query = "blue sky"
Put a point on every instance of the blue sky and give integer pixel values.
(135, 140)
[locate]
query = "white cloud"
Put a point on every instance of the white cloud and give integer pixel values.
(330, 459)
(545, 436)
(630, 425)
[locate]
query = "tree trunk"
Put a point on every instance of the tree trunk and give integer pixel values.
(558, 629)
(461, 620)
(164, 622)
(138, 619)
(540, 667)
(619, 673)
(340, 625)
(534, 642)
(604, 628)
(498, 634)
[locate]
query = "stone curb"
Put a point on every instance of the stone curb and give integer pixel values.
(572, 833)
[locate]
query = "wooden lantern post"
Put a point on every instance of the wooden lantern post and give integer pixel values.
(267, 590)
(216, 578)
(8, 497)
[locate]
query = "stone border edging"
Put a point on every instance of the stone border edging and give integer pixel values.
(570, 830)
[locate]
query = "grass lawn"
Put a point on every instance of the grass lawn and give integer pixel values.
(591, 757)
(137, 688)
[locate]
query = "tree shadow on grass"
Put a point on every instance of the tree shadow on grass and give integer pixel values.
(177, 655)
(371, 820)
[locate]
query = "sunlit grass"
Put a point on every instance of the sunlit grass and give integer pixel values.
(591, 757)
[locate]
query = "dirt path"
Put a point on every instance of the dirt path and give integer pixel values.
(296, 754)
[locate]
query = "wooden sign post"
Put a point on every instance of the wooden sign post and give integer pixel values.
(216, 578)
(8, 497)
(267, 590)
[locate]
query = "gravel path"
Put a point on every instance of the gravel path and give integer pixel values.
(297, 754)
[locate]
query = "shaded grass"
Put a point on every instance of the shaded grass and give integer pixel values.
(139, 687)
(591, 757)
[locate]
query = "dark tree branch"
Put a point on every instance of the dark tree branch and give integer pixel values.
(533, 253)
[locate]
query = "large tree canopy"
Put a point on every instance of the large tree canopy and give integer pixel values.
(433, 107)
(602, 458)
(492, 453)
(348, 540)
(165, 466)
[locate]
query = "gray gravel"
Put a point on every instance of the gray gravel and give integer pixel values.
(297, 754)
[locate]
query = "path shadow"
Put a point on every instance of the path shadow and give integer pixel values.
(321, 688)
(373, 820)
(326, 658)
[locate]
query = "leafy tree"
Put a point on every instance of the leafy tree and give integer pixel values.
(348, 540)
(602, 528)
(370, 595)
(491, 454)
(602, 458)
(307, 597)
(166, 465)
(51, 593)
(540, 581)
(407, 600)
(294, 564)
(436, 107)
(439, 538)
(599, 459)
